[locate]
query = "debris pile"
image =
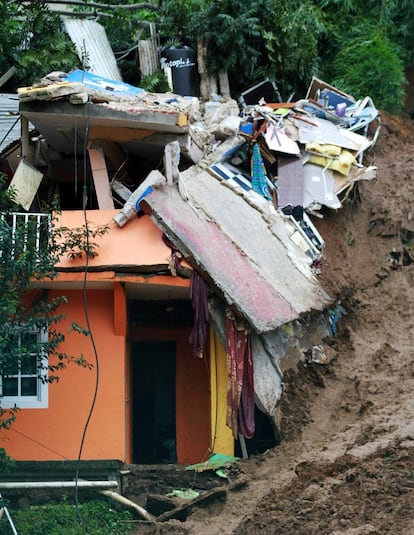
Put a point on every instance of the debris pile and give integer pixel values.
(245, 178)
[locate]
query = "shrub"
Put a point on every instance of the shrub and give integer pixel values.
(97, 517)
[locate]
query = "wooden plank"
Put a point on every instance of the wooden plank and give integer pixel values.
(181, 512)
(100, 177)
(7, 75)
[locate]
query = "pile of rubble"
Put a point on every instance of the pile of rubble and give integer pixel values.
(233, 186)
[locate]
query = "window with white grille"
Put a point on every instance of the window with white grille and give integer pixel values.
(21, 383)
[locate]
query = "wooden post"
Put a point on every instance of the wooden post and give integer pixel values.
(100, 177)
(7, 75)
(243, 446)
(148, 53)
(202, 70)
(24, 137)
(6, 512)
(224, 84)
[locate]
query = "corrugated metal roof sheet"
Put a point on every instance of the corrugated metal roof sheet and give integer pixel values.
(9, 119)
(90, 39)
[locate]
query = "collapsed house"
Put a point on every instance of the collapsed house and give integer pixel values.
(205, 289)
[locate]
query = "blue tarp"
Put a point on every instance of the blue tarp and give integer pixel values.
(99, 83)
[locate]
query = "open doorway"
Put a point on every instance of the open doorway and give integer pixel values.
(154, 402)
(265, 436)
(169, 386)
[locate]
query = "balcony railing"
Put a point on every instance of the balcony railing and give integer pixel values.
(22, 232)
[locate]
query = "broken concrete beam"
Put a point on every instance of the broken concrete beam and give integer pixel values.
(171, 161)
(222, 151)
(79, 98)
(50, 91)
(100, 177)
(121, 190)
(154, 179)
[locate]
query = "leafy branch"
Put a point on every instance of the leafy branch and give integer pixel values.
(30, 249)
(77, 242)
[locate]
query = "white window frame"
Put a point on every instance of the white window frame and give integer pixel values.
(39, 401)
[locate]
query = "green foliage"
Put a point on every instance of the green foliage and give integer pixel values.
(367, 48)
(362, 47)
(292, 45)
(98, 518)
(179, 21)
(77, 242)
(155, 83)
(32, 40)
(28, 252)
(371, 66)
(9, 32)
(251, 39)
(124, 29)
(6, 462)
(233, 31)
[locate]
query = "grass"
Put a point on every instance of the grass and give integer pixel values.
(92, 518)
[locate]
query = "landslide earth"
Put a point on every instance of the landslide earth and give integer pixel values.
(345, 465)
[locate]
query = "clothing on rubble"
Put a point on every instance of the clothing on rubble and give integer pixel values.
(240, 385)
(258, 173)
(175, 258)
(199, 302)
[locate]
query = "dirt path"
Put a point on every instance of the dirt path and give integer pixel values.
(346, 464)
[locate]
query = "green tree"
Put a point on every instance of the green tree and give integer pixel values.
(33, 41)
(342, 41)
(29, 252)
(371, 66)
(292, 45)
(367, 48)
(231, 29)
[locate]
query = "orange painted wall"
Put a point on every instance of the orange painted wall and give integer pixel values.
(55, 433)
(138, 243)
(192, 406)
(193, 427)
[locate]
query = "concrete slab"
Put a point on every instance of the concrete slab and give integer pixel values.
(248, 255)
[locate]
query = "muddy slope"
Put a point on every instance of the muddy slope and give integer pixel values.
(345, 465)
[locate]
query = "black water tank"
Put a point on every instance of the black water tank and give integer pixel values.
(181, 63)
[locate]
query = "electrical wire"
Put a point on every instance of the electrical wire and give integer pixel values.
(40, 444)
(9, 130)
(88, 325)
(75, 155)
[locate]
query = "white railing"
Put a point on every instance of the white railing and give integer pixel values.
(24, 230)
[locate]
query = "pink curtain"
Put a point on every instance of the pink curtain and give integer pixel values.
(199, 302)
(240, 385)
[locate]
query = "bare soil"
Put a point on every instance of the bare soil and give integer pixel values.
(345, 465)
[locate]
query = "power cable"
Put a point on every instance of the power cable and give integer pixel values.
(40, 444)
(9, 130)
(88, 325)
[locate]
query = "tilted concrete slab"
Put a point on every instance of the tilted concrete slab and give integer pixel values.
(245, 250)
(62, 123)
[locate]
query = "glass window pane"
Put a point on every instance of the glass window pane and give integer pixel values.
(12, 368)
(28, 342)
(10, 386)
(28, 365)
(29, 386)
